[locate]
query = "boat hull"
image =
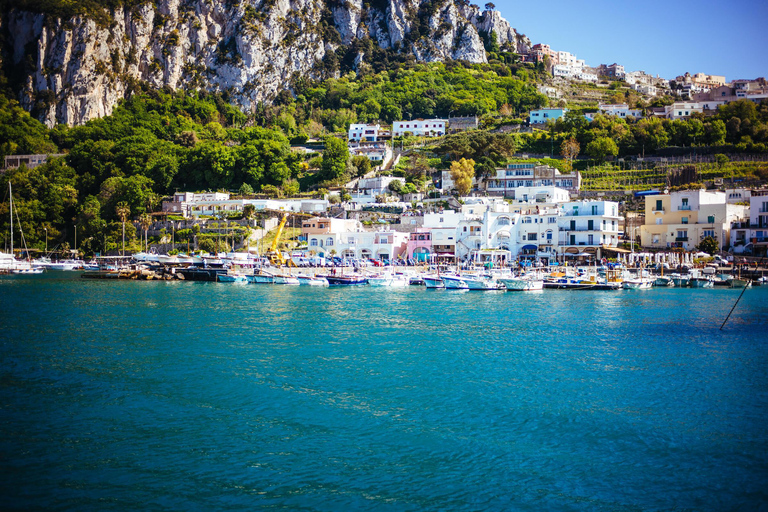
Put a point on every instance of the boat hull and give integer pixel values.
(522, 285)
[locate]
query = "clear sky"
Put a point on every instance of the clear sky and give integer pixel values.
(666, 38)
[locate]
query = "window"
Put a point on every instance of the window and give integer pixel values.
(594, 209)
(655, 239)
(313, 242)
(658, 205)
(329, 242)
(590, 239)
(684, 220)
(503, 221)
(532, 236)
(709, 232)
(711, 219)
(552, 220)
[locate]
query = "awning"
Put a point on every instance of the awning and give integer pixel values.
(616, 249)
(530, 247)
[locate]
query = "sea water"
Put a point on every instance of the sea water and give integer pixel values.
(209, 396)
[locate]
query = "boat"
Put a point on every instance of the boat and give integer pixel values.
(232, 278)
(312, 280)
(286, 279)
(663, 281)
(416, 281)
(701, 282)
(433, 281)
(27, 271)
(261, 277)
(351, 280)
(523, 283)
(454, 282)
(737, 282)
(481, 282)
(639, 281)
(65, 265)
(680, 280)
(8, 263)
(389, 280)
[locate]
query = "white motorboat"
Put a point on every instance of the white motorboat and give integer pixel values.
(389, 280)
(433, 281)
(312, 280)
(66, 265)
(481, 282)
(522, 283)
(286, 279)
(663, 281)
(637, 283)
(454, 282)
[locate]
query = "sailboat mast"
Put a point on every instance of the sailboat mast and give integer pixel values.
(10, 209)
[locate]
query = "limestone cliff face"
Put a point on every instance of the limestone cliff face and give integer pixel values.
(77, 69)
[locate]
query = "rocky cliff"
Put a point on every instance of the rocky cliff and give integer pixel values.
(72, 70)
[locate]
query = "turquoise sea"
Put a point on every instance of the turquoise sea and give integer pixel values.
(206, 396)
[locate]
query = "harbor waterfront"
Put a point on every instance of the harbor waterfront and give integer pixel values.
(211, 396)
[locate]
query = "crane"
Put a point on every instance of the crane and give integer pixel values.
(274, 254)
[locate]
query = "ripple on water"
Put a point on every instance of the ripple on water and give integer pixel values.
(193, 395)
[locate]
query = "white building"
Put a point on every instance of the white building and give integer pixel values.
(419, 127)
(752, 235)
(364, 132)
(369, 188)
(588, 226)
(348, 239)
(531, 174)
(379, 154)
(621, 110)
(682, 109)
(647, 89)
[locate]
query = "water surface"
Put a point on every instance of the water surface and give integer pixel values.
(206, 396)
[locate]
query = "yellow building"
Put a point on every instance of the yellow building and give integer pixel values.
(683, 219)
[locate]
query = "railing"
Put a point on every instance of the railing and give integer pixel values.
(685, 207)
(656, 210)
(681, 239)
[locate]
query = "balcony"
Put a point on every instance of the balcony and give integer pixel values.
(685, 207)
(681, 239)
(659, 210)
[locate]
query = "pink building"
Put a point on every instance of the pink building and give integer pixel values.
(420, 244)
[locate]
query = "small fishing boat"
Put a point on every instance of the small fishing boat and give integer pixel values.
(701, 282)
(680, 280)
(524, 283)
(286, 279)
(312, 280)
(481, 282)
(737, 282)
(452, 282)
(389, 280)
(433, 281)
(232, 278)
(663, 281)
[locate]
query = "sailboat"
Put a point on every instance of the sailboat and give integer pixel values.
(8, 263)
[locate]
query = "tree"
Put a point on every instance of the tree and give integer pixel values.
(462, 173)
(709, 245)
(245, 190)
(123, 211)
(362, 165)
(335, 159)
(395, 186)
(570, 149)
(601, 148)
(145, 220)
(490, 6)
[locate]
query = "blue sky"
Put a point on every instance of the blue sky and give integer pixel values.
(666, 38)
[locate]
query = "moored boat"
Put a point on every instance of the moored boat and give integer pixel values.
(389, 280)
(522, 283)
(452, 282)
(663, 281)
(312, 280)
(286, 279)
(232, 278)
(433, 281)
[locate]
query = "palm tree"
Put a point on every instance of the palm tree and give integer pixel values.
(145, 221)
(123, 211)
